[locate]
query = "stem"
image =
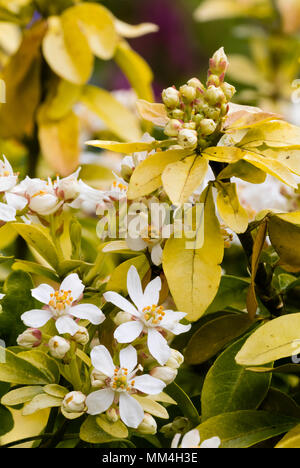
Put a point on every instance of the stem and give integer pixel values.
(45, 436)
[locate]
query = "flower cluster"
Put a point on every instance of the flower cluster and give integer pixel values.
(197, 112)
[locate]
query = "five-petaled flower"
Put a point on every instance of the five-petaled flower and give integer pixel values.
(192, 440)
(61, 305)
(147, 316)
(120, 383)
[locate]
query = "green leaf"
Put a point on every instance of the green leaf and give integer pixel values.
(229, 387)
(243, 170)
(21, 395)
(91, 432)
(274, 340)
(279, 402)
(284, 232)
(184, 402)
(242, 429)
(38, 237)
(56, 390)
(19, 371)
(45, 364)
(231, 293)
(7, 422)
(117, 429)
(118, 279)
(36, 269)
(211, 337)
(40, 402)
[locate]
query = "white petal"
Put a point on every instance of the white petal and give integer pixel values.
(115, 245)
(213, 442)
(42, 293)
(7, 182)
(136, 244)
(148, 384)
(7, 213)
(16, 201)
(36, 318)
(151, 293)
(89, 312)
(131, 411)
(102, 360)
(178, 328)
(74, 284)
(156, 254)
(128, 358)
(175, 441)
(99, 401)
(128, 332)
(158, 346)
(134, 287)
(120, 302)
(66, 324)
(191, 439)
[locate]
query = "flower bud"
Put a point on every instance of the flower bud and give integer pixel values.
(68, 188)
(187, 138)
(122, 317)
(170, 97)
(228, 91)
(214, 95)
(195, 83)
(179, 425)
(218, 64)
(98, 378)
(213, 113)
(74, 402)
(213, 80)
(207, 127)
(82, 336)
(197, 119)
(175, 360)
(112, 414)
(148, 425)
(224, 108)
(30, 338)
(165, 373)
(58, 347)
(188, 93)
(177, 114)
(172, 128)
(189, 125)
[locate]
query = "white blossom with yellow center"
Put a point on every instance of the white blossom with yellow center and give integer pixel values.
(147, 317)
(61, 305)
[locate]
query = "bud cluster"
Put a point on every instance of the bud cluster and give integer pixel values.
(197, 112)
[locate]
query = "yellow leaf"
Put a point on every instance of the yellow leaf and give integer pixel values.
(66, 95)
(197, 271)
(257, 249)
(291, 439)
(272, 167)
(25, 426)
(59, 140)
(152, 407)
(217, 9)
(22, 80)
(240, 117)
(135, 69)
(67, 51)
(153, 112)
(243, 170)
(132, 31)
(117, 117)
(124, 148)
(182, 178)
(228, 154)
(147, 175)
(230, 210)
(284, 234)
(116, 429)
(275, 134)
(97, 23)
(290, 15)
(288, 157)
(274, 340)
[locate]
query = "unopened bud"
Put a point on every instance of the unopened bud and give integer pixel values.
(187, 138)
(228, 91)
(197, 119)
(82, 336)
(122, 317)
(195, 83)
(179, 425)
(214, 95)
(112, 414)
(74, 402)
(58, 347)
(189, 125)
(172, 128)
(164, 373)
(213, 113)
(170, 97)
(30, 338)
(213, 80)
(148, 425)
(98, 378)
(224, 108)
(177, 114)
(218, 64)
(207, 127)
(188, 93)
(175, 360)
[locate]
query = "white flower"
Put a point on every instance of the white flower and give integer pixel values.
(74, 402)
(39, 194)
(7, 177)
(7, 213)
(120, 384)
(88, 198)
(58, 347)
(61, 306)
(68, 188)
(147, 316)
(192, 440)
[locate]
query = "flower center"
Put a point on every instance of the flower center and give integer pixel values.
(119, 186)
(119, 381)
(150, 235)
(60, 301)
(153, 315)
(39, 193)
